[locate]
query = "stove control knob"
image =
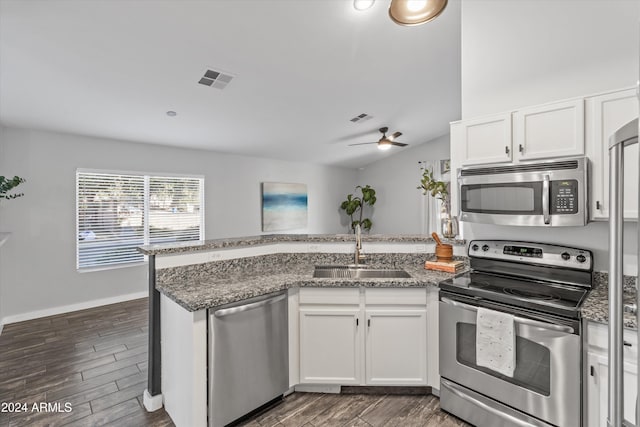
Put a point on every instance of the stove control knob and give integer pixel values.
(485, 248)
(581, 258)
(474, 247)
(565, 255)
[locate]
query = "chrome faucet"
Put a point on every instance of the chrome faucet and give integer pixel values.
(359, 256)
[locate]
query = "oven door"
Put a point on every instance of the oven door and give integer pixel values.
(546, 381)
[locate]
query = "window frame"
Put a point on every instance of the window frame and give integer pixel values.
(146, 198)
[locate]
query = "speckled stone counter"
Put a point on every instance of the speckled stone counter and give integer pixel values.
(596, 307)
(204, 286)
(238, 242)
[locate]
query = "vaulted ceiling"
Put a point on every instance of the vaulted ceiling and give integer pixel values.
(301, 70)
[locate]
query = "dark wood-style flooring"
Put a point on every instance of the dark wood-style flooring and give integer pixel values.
(96, 361)
(356, 410)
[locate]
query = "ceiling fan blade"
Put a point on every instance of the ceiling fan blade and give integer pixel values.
(399, 144)
(363, 143)
(395, 135)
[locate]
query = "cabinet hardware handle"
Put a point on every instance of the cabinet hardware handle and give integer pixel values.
(506, 149)
(626, 343)
(598, 204)
(369, 322)
(521, 148)
(592, 371)
(357, 321)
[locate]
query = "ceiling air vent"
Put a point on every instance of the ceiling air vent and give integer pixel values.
(216, 79)
(361, 118)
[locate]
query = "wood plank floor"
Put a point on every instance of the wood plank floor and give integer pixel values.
(95, 360)
(356, 410)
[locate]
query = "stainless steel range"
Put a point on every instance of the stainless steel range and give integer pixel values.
(537, 290)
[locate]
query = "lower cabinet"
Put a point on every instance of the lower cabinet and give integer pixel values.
(598, 375)
(330, 346)
(396, 347)
(378, 338)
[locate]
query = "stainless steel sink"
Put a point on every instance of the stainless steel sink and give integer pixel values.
(358, 272)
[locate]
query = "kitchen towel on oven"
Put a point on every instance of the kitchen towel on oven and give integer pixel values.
(495, 341)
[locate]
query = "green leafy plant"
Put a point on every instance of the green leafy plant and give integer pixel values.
(8, 184)
(354, 206)
(437, 189)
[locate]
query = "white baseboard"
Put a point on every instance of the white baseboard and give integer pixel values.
(151, 403)
(72, 307)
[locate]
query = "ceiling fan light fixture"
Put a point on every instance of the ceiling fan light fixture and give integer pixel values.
(362, 4)
(415, 12)
(384, 145)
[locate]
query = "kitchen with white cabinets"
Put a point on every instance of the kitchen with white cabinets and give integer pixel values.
(237, 95)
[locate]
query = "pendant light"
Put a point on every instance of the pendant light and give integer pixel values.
(415, 12)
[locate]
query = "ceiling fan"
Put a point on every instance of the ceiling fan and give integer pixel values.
(385, 142)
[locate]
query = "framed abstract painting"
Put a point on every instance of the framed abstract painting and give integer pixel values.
(284, 206)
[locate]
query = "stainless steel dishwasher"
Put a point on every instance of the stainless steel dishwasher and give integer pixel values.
(248, 356)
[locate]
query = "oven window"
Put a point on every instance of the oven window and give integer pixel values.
(533, 361)
(504, 198)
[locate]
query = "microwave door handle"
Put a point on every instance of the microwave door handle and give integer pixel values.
(520, 320)
(545, 200)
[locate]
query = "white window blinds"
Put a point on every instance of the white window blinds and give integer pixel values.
(118, 212)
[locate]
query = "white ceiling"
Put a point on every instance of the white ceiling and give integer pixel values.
(302, 69)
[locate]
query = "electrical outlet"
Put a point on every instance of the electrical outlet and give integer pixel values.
(314, 248)
(420, 248)
(214, 256)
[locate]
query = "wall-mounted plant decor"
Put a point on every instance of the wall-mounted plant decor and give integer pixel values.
(8, 184)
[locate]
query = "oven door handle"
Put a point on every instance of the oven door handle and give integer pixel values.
(521, 320)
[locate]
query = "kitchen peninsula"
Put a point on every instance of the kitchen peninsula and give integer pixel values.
(188, 280)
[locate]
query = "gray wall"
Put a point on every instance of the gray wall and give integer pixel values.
(399, 206)
(528, 52)
(37, 267)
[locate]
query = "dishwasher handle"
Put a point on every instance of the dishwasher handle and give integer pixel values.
(246, 307)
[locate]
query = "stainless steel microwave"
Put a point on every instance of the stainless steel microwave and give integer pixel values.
(547, 194)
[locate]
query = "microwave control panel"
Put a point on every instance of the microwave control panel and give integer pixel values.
(564, 197)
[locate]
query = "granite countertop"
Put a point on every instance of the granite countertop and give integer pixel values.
(204, 245)
(209, 292)
(596, 307)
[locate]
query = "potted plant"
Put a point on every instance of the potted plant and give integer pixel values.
(8, 184)
(354, 206)
(440, 190)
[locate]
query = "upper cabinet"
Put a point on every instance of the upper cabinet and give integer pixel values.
(604, 115)
(483, 140)
(541, 132)
(574, 127)
(552, 130)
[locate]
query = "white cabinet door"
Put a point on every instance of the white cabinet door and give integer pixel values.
(597, 390)
(330, 346)
(396, 347)
(552, 130)
(605, 114)
(482, 140)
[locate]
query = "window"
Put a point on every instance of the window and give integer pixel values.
(117, 212)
